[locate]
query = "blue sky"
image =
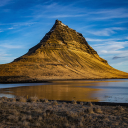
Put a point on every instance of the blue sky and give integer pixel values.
(104, 24)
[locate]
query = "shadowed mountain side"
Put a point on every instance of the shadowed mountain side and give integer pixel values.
(63, 53)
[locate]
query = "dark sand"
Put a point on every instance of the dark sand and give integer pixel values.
(41, 113)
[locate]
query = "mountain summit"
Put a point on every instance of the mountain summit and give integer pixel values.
(63, 53)
(61, 37)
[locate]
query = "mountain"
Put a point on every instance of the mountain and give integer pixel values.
(63, 53)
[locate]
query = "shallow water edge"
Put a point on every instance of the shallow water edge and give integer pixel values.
(106, 90)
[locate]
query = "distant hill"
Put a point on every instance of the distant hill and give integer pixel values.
(63, 53)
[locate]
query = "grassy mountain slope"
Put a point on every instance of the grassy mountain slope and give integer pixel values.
(63, 53)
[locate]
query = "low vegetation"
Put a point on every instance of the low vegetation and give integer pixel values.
(41, 113)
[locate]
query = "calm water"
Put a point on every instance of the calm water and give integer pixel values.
(80, 90)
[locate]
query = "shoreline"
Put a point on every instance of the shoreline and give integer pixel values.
(96, 103)
(84, 102)
(50, 80)
(33, 112)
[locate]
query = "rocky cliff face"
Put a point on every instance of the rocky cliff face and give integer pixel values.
(63, 53)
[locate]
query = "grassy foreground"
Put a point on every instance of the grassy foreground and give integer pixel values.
(41, 113)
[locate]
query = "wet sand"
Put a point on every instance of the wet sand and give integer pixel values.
(40, 113)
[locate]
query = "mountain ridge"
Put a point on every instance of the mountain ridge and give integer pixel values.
(62, 53)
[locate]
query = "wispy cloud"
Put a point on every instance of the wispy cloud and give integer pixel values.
(121, 22)
(118, 57)
(56, 10)
(9, 46)
(95, 40)
(106, 31)
(112, 48)
(120, 64)
(106, 40)
(102, 40)
(19, 23)
(106, 14)
(6, 59)
(64, 16)
(11, 28)
(115, 52)
(52, 5)
(5, 54)
(17, 26)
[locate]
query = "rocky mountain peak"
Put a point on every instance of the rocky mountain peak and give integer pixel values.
(61, 37)
(63, 53)
(57, 23)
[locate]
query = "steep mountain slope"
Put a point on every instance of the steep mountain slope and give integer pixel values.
(63, 53)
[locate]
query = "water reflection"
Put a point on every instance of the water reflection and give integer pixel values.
(108, 91)
(54, 92)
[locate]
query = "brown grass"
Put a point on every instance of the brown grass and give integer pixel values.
(54, 114)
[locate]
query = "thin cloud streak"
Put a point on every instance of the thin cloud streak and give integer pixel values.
(8, 46)
(105, 40)
(118, 57)
(109, 14)
(10, 28)
(64, 16)
(18, 23)
(112, 48)
(107, 31)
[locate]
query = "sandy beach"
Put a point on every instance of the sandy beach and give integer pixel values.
(40, 113)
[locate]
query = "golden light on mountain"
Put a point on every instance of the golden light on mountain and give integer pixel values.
(63, 53)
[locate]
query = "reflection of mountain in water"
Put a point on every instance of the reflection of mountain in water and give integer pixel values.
(54, 92)
(63, 53)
